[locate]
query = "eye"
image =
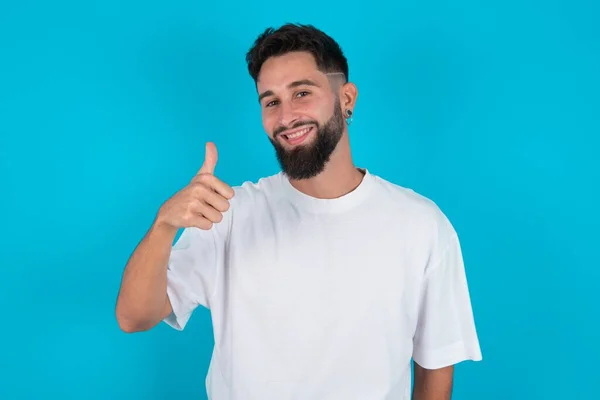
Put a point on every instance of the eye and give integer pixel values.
(302, 94)
(271, 103)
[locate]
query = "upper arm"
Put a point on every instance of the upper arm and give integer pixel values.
(445, 333)
(433, 384)
(195, 263)
(442, 375)
(167, 308)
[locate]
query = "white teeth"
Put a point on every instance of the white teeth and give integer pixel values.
(298, 134)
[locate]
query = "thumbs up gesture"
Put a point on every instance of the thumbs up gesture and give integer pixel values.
(202, 202)
(210, 160)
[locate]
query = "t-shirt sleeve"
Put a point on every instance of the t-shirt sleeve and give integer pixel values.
(193, 268)
(445, 333)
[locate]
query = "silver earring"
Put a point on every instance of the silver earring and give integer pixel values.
(348, 117)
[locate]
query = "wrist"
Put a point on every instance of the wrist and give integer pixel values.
(163, 228)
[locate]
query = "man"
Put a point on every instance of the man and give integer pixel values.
(324, 281)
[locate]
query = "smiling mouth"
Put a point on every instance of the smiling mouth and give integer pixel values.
(297, 136)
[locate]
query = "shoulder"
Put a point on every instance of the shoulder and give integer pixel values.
(249, 192)
(407, 202)
(252, 196)
(418, 213)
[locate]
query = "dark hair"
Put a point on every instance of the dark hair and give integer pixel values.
(297, 37)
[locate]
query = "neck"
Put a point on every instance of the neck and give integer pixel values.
(339, 177)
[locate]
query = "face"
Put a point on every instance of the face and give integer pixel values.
(301, 112)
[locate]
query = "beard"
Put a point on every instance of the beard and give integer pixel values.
(307, 161)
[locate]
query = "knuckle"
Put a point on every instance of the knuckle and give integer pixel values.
(195, 184)
(203, 178)
(189, 209)
(187, 219)
(200, 190)
(198, 177)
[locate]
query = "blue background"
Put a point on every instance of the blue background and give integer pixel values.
(491, 109)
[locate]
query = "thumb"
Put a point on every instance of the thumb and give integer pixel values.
(210, 159)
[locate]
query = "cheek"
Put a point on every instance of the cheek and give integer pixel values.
(307, 107)
(316, 110)
(268, 123)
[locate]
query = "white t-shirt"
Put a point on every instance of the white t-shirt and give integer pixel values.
(325, 299)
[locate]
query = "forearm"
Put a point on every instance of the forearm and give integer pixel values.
(432, 384)
(142, 299)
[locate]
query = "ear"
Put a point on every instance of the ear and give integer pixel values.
(348, 96)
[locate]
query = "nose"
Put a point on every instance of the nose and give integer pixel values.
(287, 114)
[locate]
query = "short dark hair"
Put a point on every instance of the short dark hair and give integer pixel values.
(297, 37)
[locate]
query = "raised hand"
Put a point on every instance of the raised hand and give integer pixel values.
(202, 202)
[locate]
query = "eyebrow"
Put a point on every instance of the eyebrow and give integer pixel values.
(302, 82)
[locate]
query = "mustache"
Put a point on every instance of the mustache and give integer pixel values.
(281, 129)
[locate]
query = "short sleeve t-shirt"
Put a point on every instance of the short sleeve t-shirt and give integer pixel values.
(325, 298)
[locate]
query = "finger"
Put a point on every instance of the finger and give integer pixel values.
(216, 201)
(201, 223)
(215, 184)
(208, 212)
(210, 159)
(222, 188)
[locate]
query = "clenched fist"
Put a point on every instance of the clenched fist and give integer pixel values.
(202, 202)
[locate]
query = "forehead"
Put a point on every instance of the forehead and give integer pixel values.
(279, 71)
